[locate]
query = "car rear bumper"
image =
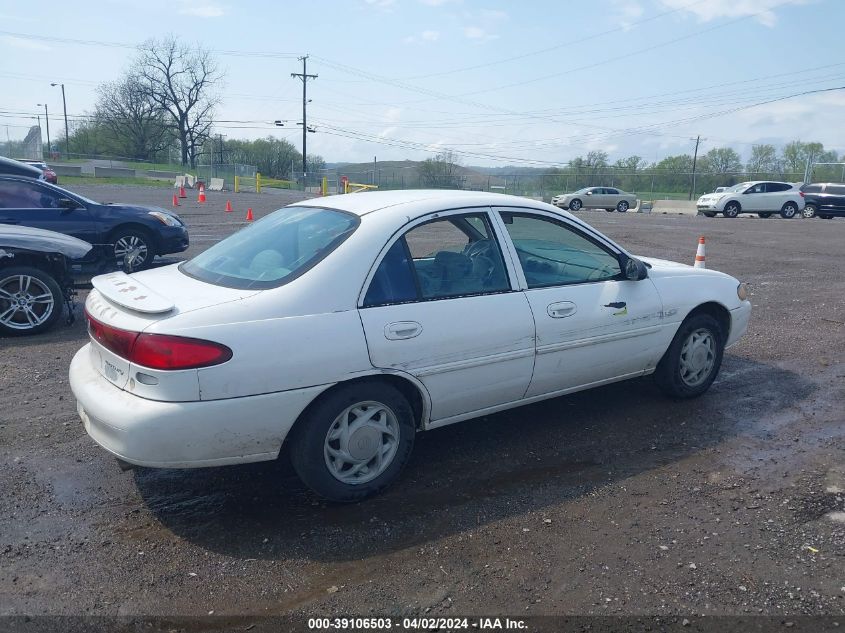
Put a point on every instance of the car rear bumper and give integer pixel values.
(183, 434)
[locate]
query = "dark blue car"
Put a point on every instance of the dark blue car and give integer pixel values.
(133, 234)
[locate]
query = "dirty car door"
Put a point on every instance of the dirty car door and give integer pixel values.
(440, 306)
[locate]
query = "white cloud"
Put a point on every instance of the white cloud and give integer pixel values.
(478, 33)
(392, 115)
(386, 132)
(381, 4)
(437, 3)
(626, 12)
(764, 10)
(430, 36)
(25, 44)
(493, 14)
(201, 9)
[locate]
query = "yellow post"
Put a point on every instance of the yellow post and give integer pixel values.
(324, 187)
(237, 184)
(257, 182)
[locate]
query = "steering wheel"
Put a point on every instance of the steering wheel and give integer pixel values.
(479, 251)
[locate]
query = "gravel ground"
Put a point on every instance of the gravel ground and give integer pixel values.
(613, 501)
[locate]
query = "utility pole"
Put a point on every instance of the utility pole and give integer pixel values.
(67, 133)
(698, 140)
(304, 76)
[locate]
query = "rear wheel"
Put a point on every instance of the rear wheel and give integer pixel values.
(30, 300)
(133, 248)
(623, 206)
(354, 441)
(809, 211)
(691, 363)
(789, 210)
(575, 205)
(732, 210)
(765, 215)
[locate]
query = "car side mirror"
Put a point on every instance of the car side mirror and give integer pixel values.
(67, 203)
(632, 268)
(589, 193)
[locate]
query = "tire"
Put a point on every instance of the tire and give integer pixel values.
(765, 215)
(708, 214)
(609, 210)
(789, 211)
(809, 211)
(826, 217)
(321, 460)
(26, 284)
(732, 209)
(623, 206)
(575, 205)
(126, 239)
(675, 374)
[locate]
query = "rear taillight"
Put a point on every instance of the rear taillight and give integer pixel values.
(158, 351)
(801, 193)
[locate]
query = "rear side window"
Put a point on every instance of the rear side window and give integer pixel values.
(274, 250)
(775, 187)
(811, 188)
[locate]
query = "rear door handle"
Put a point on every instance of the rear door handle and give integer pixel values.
(561, 309)
(402, 330)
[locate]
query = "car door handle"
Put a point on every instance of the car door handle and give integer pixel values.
(561, 309)
(402, 330)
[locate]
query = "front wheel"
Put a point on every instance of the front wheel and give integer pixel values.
(30, 300)
(623, 206)
(732, 210)
(354, 441)
(575, 205)
(788, 211)
(809, 211)
(691, 363)
(133, 248)
(765, 215)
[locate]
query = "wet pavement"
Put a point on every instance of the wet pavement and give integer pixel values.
(611, 501)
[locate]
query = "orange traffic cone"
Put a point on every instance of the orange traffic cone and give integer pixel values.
(201, 196)
(249, 217)
(182, 193)
(699, 254)
(228, 206)
(175, 200)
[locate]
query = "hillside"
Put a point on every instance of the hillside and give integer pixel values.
(406, 174)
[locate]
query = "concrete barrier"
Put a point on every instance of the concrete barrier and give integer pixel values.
(684, 207)
(67, 170)
(113, 172)
(215, 184)
(162, 175)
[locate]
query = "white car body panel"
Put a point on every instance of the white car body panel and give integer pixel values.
(752, 202)
(472, 355)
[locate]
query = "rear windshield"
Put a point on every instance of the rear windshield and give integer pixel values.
(274, 250)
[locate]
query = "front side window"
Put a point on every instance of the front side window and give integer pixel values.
(26, 195)
(758, 188)
(553, 254)
(274, 250)
(449, 257)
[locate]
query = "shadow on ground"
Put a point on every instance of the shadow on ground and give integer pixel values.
(470, 474)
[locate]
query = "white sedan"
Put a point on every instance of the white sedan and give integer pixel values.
(344, 325)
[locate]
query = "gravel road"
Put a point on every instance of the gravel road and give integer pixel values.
(612, 501)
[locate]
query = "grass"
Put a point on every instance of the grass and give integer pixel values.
(91, 180)
(276, 183)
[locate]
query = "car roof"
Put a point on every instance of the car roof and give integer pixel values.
(18, 167)
(416, 202)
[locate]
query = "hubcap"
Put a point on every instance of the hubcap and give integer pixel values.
(789, 211)
(25, 302)
(698, 357)
(361, 442)
(623, 206)
(131, 250)
(809, 212)
(575, 205)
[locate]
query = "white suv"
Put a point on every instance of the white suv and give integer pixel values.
(761, 197)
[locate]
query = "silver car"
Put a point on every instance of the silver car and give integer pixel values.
(607, 198)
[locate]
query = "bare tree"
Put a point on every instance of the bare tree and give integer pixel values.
(136, 122)
(442, 171)
(180, 79)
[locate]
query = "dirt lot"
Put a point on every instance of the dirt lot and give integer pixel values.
(614, 501)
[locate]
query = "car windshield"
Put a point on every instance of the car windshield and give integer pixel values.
(274, 250)
(584, 190)
(740, 187)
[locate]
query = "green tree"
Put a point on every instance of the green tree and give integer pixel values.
(764, 160)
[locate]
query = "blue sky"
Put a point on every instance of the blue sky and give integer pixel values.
(499, 82)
